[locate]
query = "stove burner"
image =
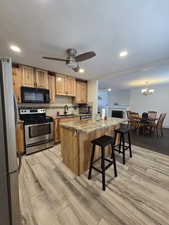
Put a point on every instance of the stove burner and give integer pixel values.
(34, 116)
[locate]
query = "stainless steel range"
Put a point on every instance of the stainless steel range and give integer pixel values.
(39, 129)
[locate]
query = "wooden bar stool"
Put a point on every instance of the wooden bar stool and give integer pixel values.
(122, 147)
(103, 142)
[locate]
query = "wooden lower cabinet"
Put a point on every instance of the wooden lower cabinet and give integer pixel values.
(57, 125)
(20, 137)
(56, 130)
(76, 147)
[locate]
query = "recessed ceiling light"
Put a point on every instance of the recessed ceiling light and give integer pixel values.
(15, 48)
(81, 70)
(123, 53)
(109, 89)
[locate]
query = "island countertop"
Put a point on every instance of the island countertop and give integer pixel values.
(92, 125)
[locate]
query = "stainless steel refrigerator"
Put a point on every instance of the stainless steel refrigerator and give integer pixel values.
(9, 190)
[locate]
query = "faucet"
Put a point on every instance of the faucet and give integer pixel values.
(66, 108)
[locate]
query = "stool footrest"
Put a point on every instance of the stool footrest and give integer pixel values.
(125, 148)
(111, 162)
(96, 169)
(96, 160)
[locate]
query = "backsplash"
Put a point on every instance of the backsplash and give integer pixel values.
(52, 109)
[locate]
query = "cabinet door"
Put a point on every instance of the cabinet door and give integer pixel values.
(20, 137)
(28, 77)
(78, 92)
(17, 83)
(70, 86)
(41, 79)
(83, 92)
(64, 120)
(52, 88)
(60, 85)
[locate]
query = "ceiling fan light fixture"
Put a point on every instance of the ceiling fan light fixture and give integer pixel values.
(77, 68)
(72, 60)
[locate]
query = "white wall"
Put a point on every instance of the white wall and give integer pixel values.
(159, 101)
(102, 99)
(119, 96)
(93, 95)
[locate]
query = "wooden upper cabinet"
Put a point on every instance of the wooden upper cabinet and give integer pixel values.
(81, 92)
(17, 82)
(52, 89)
(70, 86)
(28, 77)
(41, 77)
(65, 85)
(78, 92)
(60, 85)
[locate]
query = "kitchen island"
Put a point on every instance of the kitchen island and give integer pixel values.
(76, 141)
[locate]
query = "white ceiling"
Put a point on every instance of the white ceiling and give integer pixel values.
(153, 74)
(49, 27)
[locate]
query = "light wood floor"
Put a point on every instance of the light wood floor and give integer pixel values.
(51, 195)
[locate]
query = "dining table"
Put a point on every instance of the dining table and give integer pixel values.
(141, 118)
(143, 124)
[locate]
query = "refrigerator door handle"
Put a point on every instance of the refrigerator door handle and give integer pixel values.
(15, 110)
(19, 155)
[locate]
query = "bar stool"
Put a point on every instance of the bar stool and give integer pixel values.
(103, 142)
(121, 147)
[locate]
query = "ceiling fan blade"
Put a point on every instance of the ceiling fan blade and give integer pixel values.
(57, 59)
(85, 56)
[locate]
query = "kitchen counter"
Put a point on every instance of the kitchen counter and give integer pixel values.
(72, 116)
(92, 125)
(20, 122)
(66, 116)
(76, 140)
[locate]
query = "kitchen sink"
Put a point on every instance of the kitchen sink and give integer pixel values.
(67, 115)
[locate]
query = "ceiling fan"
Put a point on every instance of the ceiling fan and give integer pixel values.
(72, 60)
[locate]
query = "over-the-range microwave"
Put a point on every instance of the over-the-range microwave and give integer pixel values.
(34, 95)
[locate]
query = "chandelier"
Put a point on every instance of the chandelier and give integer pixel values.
(147, 91)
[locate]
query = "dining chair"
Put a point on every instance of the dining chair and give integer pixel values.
(159, 125)
(134, 120)
(144, 123)
(152, 114)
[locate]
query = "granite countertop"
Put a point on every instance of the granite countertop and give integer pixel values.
(70, 116)
(92, 125)
(20, 121)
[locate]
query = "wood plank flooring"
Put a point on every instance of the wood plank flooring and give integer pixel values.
(51, 195)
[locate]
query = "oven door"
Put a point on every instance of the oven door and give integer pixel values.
(35, 133)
